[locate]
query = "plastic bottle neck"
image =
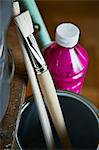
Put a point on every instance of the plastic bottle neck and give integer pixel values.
(67, 35)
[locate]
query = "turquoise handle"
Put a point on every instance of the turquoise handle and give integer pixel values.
(35, 14)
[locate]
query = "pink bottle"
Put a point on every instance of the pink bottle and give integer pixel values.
(67, 60)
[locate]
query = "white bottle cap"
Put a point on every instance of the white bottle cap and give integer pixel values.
(67, 35)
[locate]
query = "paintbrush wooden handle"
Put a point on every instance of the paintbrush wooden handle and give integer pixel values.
(38, 98)
(50, 96)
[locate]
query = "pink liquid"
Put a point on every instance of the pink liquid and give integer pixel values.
(67, 66)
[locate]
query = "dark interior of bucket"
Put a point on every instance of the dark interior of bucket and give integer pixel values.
(80, 119)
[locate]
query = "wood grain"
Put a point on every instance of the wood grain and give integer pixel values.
(8, 124)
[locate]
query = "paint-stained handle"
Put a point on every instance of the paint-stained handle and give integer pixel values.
(50, 96)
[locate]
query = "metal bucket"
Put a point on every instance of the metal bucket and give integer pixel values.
(81, 119)
(5, 80)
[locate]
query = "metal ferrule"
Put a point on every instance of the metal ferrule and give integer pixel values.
(35, 55)
(41, 70)
(38, 67)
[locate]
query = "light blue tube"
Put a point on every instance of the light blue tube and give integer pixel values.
(35, 14)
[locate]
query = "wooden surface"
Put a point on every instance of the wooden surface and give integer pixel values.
(8, 124)
(17, 93)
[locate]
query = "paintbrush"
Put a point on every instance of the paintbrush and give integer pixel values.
(35, 89)
(25, 25)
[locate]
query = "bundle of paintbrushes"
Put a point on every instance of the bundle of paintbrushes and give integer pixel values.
(34, 61)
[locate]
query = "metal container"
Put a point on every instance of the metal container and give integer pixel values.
(5, 80)
(81, 119)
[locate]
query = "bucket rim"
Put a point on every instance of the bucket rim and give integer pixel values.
(80, 98)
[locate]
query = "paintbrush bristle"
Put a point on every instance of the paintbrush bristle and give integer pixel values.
(16, 8)
(24, 22)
